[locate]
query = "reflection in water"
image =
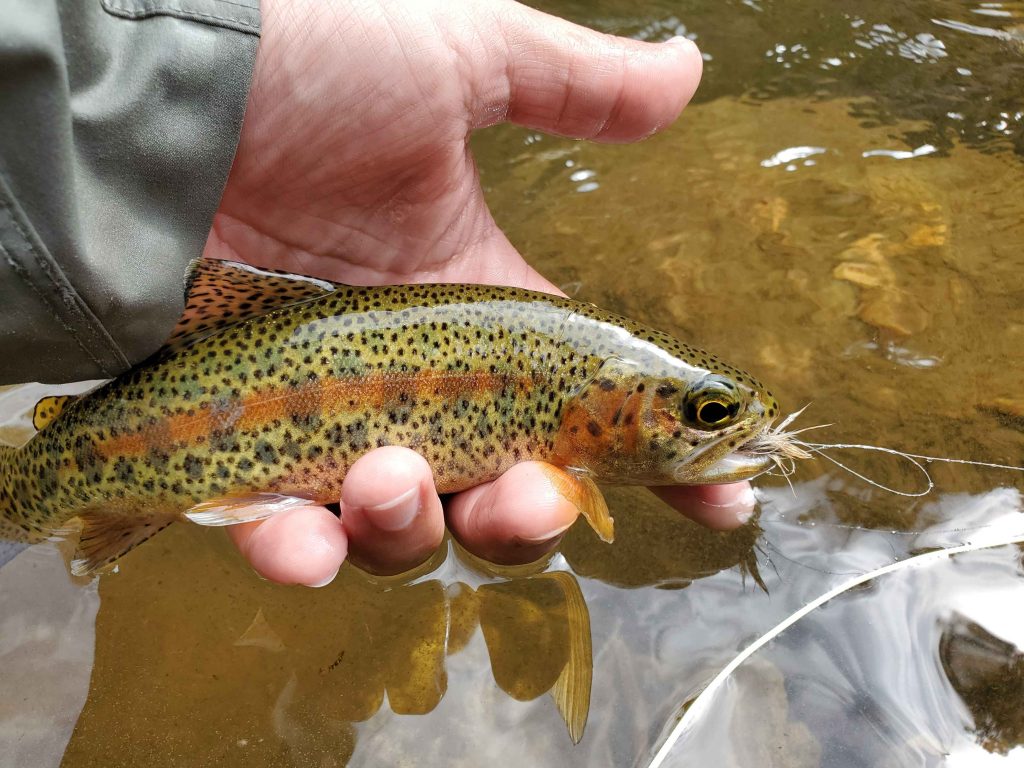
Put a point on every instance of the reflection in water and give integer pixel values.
(536, 628)
(656, 547)
(383, 652)
(988, 673)
(538, 636)
(871, 674)
(450, 665)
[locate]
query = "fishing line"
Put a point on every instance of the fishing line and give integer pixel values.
(783, 446)
(819, 449)
(913, 458)
(988, 464)
(792, 561)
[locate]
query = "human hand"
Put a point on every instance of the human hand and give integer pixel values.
(353, 166)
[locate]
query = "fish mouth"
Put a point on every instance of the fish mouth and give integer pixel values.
(763, 449)
(737, 466)
(709, 465)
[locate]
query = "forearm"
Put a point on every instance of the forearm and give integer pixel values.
(117, 131)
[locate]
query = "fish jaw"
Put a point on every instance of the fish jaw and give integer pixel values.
(733, 468)
(717, 463)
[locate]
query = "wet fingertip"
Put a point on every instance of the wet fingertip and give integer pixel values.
(726, 508)
(745, 505)
(547, 536)
(304, 546)
(323, 582)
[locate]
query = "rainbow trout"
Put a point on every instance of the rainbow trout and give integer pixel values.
(272, 386)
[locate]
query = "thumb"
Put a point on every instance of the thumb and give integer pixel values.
(558, 77)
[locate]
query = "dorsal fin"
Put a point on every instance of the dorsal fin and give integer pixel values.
(219, 294)
(48, 409)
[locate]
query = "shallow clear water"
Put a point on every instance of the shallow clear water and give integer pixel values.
(841, 212)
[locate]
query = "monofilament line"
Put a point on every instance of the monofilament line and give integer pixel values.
(913, 458)
(784, 448)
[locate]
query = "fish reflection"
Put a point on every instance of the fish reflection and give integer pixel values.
(538, 638)
(988, 674)
(536, 629)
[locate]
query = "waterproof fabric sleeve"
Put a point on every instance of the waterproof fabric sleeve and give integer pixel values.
(119, 120)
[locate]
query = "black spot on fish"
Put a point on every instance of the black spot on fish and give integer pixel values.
(193, 467)
(124, 470)
(265, 452)
(158, 459)
(310, 422)
(594, 428)
(357, 435)
(224, 440)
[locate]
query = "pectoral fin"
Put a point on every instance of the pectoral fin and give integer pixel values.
(243, 508)
(584, 494)
(572, 689)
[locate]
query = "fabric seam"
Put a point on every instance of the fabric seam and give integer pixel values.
(67, 298)
(19, 270)
(156, 9)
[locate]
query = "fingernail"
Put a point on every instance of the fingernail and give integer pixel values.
(397, 514)
(682, 42)
(546, 536)
(325, 582)
(746, 502)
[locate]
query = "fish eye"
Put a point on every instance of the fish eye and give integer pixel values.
(712, 412)
(713, 405)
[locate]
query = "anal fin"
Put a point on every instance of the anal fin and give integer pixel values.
(583, 492)
(105, 537)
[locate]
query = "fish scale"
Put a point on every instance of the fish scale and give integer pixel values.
(275, 385)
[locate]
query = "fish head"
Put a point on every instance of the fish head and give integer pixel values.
(687, 425)
(719, 414)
